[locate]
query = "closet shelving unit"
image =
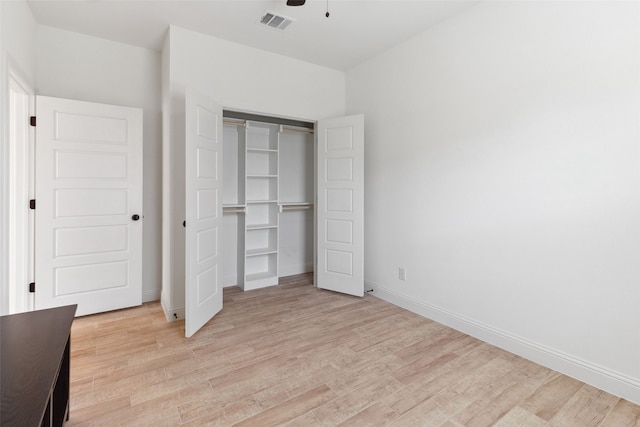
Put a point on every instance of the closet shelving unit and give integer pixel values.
(268, 171)
(261, 239)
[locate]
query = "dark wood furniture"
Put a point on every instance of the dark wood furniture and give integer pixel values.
(34, 367)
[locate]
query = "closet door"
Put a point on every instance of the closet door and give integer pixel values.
(203, 181)
(340, 205)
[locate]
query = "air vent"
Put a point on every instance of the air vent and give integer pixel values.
(274, 20)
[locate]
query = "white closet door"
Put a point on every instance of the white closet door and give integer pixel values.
(203, 162)
(89, 205)
(340, 205)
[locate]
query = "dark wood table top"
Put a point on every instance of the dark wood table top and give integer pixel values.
(31, 348)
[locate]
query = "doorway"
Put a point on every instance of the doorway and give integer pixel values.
(86, 178)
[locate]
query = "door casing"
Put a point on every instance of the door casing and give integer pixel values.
(21, 189)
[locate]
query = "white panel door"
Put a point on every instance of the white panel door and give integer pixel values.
(340, 205)
(88, 225)
(203, 162)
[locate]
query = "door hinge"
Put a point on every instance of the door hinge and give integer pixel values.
(32, 120)
(32, 287)
(32, 204)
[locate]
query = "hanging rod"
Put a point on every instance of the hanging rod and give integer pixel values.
(234, 210)
(296, 130)
(234, 122)
(295, 208)
(284, 128)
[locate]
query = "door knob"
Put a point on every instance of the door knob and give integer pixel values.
(135, 217)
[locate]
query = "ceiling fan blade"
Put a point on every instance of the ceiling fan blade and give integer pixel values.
(295, 2)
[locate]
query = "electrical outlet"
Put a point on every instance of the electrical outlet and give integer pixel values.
(402, 273)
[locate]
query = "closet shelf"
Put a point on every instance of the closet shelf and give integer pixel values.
(296, 207)
(261, 251)
(261, 201)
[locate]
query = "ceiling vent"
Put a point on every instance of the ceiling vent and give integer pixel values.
(274, 20)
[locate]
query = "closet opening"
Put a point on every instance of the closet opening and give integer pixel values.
(268, 199)
(252, 200)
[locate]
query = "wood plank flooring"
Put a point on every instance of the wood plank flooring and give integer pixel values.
(295, 355)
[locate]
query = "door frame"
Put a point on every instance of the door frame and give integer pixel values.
(173, 295)
(255, 116)
(171, 218)
(20, 189)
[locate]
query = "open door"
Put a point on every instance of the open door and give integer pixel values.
(340, 205)
(88, 222)
(203, 167)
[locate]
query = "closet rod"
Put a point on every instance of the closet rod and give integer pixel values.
(284, 128)
(297, 208)
(295, 130)
(233, 210)
(234, 122)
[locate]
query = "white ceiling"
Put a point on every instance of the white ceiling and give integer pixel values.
(356, 29)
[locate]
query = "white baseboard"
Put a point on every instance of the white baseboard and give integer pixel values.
(598, 376)
(151, 295)
(171, 313)
(229, 281)
(231, 285)
(294, 269)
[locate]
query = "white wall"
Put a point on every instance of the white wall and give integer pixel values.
(17, 50)
(19, 37)
(75, 66)
(244, 78)
(502, 171)
(239, 78)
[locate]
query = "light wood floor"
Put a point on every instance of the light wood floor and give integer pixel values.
(298, 356)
